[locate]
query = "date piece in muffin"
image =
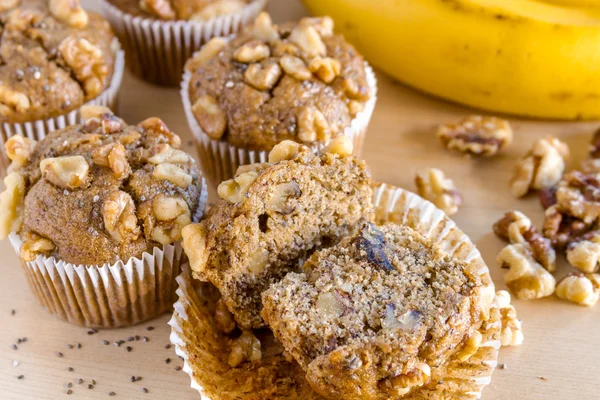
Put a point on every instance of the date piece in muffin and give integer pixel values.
(55, 57)
(298, 81)
(193, 10)
(371, 317)
(100, 192)
(273, 215)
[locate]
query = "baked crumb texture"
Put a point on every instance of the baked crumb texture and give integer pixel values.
(171, 10)
(297, 81)
(55, 57)
(286, 210)
(100, 192)
(371, 317)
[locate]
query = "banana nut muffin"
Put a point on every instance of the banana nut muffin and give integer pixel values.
(271, 216)
(99, 192)
(298, 81)
(55, 57)
(372, 316)
(193, 10)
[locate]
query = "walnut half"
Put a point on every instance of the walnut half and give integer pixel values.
(580, 289)
(435, 187)
(66, 172)
(245, 348)
(11, 204)
(476, 135)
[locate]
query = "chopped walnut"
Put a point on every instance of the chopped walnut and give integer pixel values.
(325, 68)
(94, 111)
(263, 76)
(433, 186)
(113, 156)
(541, 168)
(476, 135)
(87, 63)
(156, 129)
(12, 101)
(8, 4)
(105, 124)
(234, 190)
(257, 167)
(263, 28)
(354, 107)
(194, 244)
(172, 215)
(223, 317)
(69, 11)
(208, 52)
(119, 215)
(584, 253)
(251, 52)
(511, 333)
(580, 289)
(340, 145)
(66, 172)
(173, 174)
(403, 384)
(244, 348)
(216, 9)
(163, 153)
(11, 204)
(285, 150)
(511, 226)
(295, 67)
(578, 195)
(526, 278)
(34, 245)
(160, 8)
(470, 348)
(280, 197)
(307, 38)
(323, 25)
(210, 116)
(312, 125)
(19, 148)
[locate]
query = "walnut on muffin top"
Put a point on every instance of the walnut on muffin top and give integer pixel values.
(55, 57)
(298, 81)
(99, 192)
(193, 10)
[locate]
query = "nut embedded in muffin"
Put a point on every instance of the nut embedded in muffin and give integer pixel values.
(171, 10)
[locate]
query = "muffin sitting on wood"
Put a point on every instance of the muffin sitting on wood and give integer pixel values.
(103, 194)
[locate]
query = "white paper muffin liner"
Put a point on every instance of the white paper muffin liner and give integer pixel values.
(220, 159)
(38, 129)
(110, 295)
(157, 50)
(456, 380)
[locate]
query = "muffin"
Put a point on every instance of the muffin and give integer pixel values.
(160, 35)
(370, 317)
(56, 58)
(108, 201)
(272, 215)
(298, 81)
(225, 362)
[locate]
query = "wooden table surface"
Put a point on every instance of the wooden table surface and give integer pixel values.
(557, 360)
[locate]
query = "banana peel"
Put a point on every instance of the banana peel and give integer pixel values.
(531, 58)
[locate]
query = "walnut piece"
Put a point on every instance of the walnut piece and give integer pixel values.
(584, 253)
(172, 173)
(245, 348)
(234, 190)
(562, 229)
(87, 63)
(471, 346)
(403, 384)
(476, 135)
(263, 76)
(208, 52)
(256, 167)
(119, 215)
(312, 125)
(12, 101)
(223, 317)
(435, 187)
(172, 214)
(66, 172)
(580, 289)
(295, 67)
(19, 149)
(263, 28)
(281, 196)
(511, 333)
(163, 153)
(511, 226)
(323, 25)
(283, 151)
(35, 245)
(307, 38)
(541, 168)
(526, 278)
(578, 195)
(11, 204)
(216, 9)
(194, 244)
(251, 52)
(156, 129)
(210, 116)
(325, 68)
(113, 156)
(94, 111)
(106, 124)
(340, 145)
(160, 8)
(70, 12)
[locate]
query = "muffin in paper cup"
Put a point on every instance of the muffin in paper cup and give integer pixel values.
(220, 158)
(204, 348)
(95, 213)
(157, 49)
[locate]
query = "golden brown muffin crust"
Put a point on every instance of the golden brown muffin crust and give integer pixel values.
(55, 57)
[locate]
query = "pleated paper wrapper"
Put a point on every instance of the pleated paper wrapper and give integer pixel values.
(220, 159)
(456, 380)
(38, 129)
(110, 295)
(157, 50)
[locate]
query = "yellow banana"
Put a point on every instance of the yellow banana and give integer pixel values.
(534, 58)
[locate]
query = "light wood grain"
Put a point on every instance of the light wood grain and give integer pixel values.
(560, 338)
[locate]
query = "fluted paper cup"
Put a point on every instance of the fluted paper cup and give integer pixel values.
(157, 50)
(109, 295)
(38, 129)
(192, 321)
(220, 160)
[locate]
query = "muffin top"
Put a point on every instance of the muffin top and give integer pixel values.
(99, 192)
(193, 10)
(298, 81)
(371, 317)
(55, 57)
